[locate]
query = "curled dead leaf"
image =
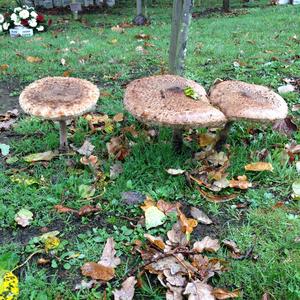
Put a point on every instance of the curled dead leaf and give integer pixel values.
(222, 294)
(206, 244)
(259, 166)
(97, 271)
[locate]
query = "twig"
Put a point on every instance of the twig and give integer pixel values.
(26, 261)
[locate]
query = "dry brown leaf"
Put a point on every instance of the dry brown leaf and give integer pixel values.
(231, 245)
(216, 198)
(67, 73)
(207, 139)
(200, 216)
(175, 279)
(89, 161)
(174, 292)
(167, 263)
(187, 224)
(87, 209)
(148, 203)
(167, 207)
(241, 183)
(33, 59)
(4, 67)
(127, 290)
(198, 290)
(259, 166)
(206, 244)
(63, 209)
(97, 271)
(143, 36)
(109, 258)
(218, 158)
(176, 236)
(222, 294)
(156, 241)
(118, 117)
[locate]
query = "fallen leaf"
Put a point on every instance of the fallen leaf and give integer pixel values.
(89, 161)
(174, 292)
(86, 191)
(63, 209)
(176, 236)
(157, 241)
(167, 207)
(33, 59)
(5, 125)
(127, 290)
(115, 170)
(216, 198)
(97, 272)
(259, 166)
(118, 117)
(286, 89)
(198, 290)
(187, 224)
(4, 67)
(43, 156)
(142, 36)
(175, 172)
(117, 29)
(218, 158)
(51, 243)
(296, 190)
(4, 149)
(87, 209)
(200, 216)
(85, 285)
(24, 217)
(222, 294)
(207, 139)
(231, 245)
(154, 217)
(86, 149)
(109, 258)
(241, 183)
(206, 244)
(132, 198)
(9, 285)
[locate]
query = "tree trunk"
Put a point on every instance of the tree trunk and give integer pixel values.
(139, 7)
(181, 18)
(226, 5)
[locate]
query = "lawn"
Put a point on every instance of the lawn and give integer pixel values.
(257, 45)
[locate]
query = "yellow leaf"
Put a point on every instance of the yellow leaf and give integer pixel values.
(9, 286)
(4, 67)
(33, 59)
(259, 166)
(187, 224)
(114, 41)
(52, 242)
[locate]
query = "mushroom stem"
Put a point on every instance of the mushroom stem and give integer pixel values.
(223, 136)
(63, 136)
(177, 140)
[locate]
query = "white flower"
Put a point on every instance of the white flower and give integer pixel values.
(14, 17)
(17, 9)
(18, 22)
(5, 25)
(24, 14)
(32, 23)
(1, 19)
(40, 28)
(34, 14)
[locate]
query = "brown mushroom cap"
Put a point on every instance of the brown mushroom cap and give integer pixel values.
(59, 98)
(240, 100)
(160, 100)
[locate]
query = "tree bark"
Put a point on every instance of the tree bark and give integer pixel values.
(226, 5)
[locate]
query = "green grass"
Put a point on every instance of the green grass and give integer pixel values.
(261, 41)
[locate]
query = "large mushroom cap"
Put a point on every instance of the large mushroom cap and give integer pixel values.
(160, 100)
(59, 98)
(240, 100)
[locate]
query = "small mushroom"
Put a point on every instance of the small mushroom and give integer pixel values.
(244, 101)
(59, 99)
(160, 100)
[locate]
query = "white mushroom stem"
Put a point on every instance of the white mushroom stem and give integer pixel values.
(63, 135)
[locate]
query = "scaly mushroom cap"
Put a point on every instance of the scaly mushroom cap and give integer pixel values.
(160, 100)
(240, 100)
(59, 98)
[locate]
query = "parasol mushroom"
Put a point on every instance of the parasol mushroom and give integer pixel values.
(59, 99)
(160, 100)
(244, 101)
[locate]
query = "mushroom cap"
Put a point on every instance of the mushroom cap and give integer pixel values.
(160, 100)
(59, 98)
(240, 100)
